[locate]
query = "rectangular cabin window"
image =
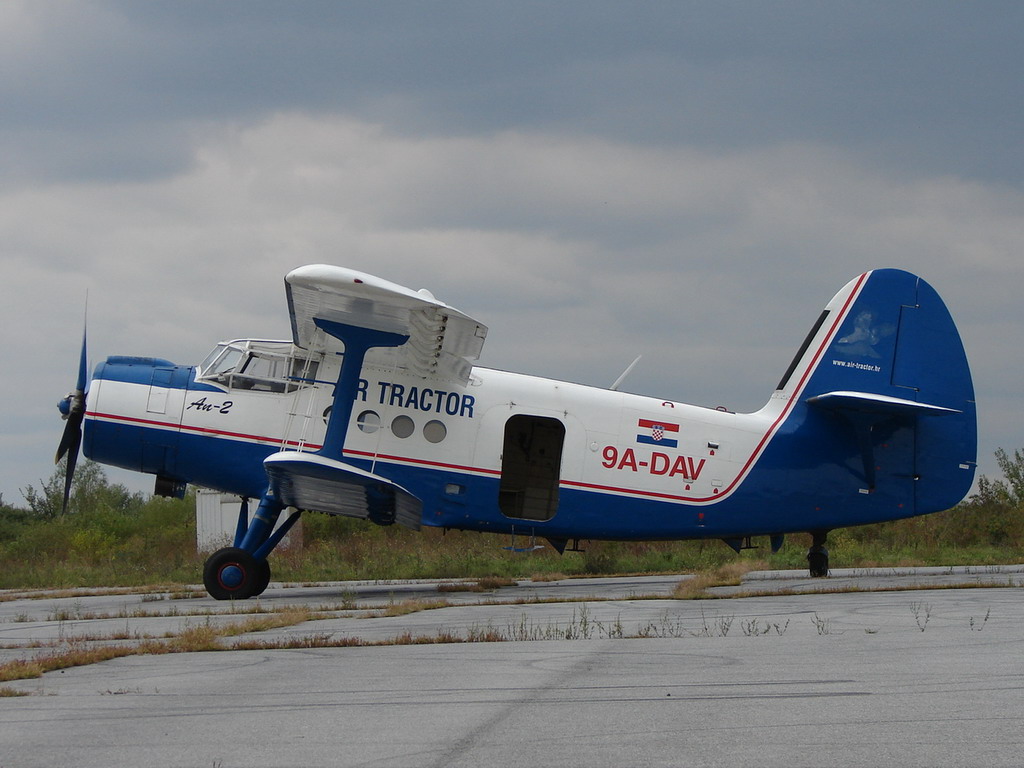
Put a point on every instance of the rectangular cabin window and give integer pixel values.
(531, 461)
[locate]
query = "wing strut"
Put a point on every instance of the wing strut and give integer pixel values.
(358, 341)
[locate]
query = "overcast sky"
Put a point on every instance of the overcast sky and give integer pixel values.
(689, 181)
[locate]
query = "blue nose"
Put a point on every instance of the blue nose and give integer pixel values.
(64, 406)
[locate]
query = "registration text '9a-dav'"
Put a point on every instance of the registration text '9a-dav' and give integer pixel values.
(656, 463)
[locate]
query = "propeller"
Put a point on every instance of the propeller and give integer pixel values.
(72, 410)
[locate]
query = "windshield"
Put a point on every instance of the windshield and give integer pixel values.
(221, 360)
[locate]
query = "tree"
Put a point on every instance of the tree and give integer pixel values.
(90, 491)
(1013, 470)
(48, 500)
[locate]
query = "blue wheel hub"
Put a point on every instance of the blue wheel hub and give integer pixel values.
(231, 576)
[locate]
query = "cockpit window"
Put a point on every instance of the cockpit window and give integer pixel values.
(222, 360)
(262, 366)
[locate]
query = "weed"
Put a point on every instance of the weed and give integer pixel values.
(203, 637)
(406, 607)
(21, 669)
(579, 627)
(753, 627)
(728, 575)
(719, 628)
(824, 626)
(459, 586)
(185, 594)
(614, 631)
(666, 627)
(922, 613)
(977, 627)
(487, 584)
(583, 629)
(488, 634)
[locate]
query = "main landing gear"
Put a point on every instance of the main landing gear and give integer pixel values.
(241, 571)
(817, 555)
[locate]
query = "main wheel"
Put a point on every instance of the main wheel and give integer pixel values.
(233, 574)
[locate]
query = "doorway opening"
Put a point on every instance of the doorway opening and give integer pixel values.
(531, 459)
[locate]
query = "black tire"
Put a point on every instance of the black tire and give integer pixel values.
(261, 579)
(232, 574)
(817, 562)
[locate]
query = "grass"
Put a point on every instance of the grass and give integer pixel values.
(25, 669)
(405, 607)
(338, 550)
(486, 584)
(729, 575)
(113, 538)
(202, 637)
(236, 635)
(115, 543)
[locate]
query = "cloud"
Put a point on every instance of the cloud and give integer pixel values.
(97, 89)
(579, 253)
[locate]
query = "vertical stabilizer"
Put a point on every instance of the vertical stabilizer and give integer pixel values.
(882, 385)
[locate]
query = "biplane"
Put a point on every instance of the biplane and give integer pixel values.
(375, 409)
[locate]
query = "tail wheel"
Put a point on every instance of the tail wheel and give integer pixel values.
(817, 561)
(234, 574)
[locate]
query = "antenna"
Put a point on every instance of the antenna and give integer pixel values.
(625, 373)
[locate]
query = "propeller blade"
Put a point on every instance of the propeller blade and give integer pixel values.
(73, 434)
(72, 437)
(83, 367)
(73, 409)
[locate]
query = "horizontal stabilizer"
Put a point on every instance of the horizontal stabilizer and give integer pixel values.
(868, 402)
(315, 483)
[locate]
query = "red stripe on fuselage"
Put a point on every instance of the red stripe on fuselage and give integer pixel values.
(759, 448)
(276, 441)
(796, 392)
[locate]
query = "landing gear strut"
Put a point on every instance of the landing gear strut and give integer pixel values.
(817, 555)
(242, 571)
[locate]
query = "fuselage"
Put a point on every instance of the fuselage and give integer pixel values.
(505, 452)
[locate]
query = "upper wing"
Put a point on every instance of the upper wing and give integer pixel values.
(443, 342)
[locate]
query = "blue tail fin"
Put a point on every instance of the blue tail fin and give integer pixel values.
(882, 385)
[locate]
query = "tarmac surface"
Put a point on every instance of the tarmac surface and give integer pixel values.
(908, 667)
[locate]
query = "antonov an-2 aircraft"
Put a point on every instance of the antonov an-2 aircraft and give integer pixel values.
(375, 410)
